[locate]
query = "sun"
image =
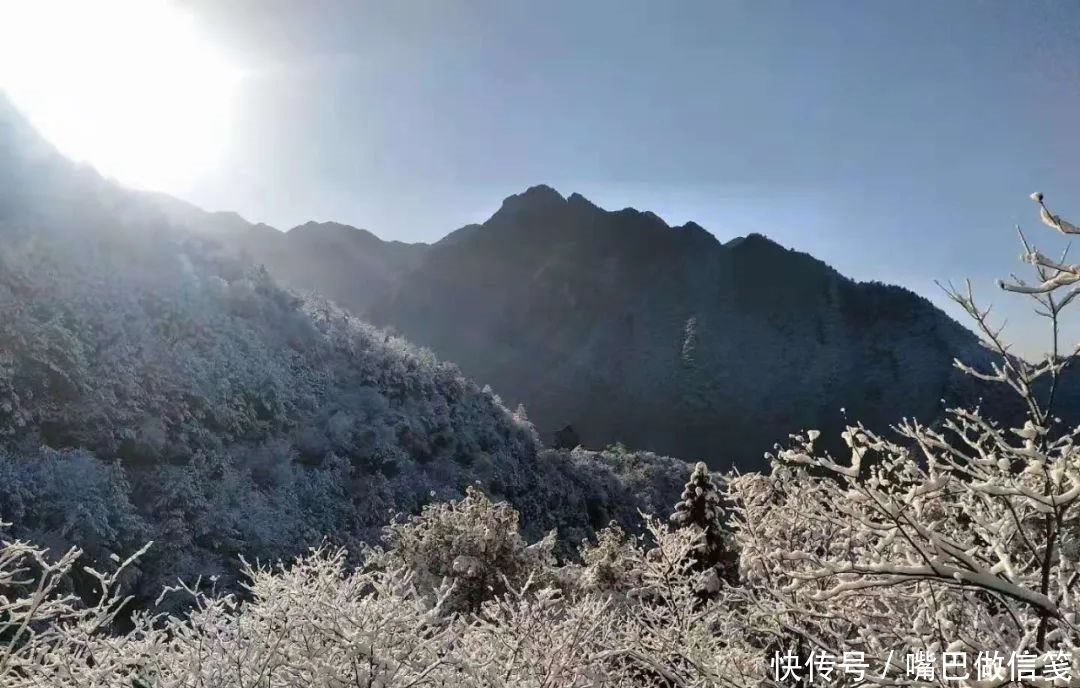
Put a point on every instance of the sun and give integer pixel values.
(128, 86)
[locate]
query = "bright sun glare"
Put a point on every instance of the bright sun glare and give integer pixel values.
(128, 86)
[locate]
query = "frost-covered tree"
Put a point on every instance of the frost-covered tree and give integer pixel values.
(471, 544)
(318, 621)
(608, 564)
(700, 508)
(50, 636)
(960, 537)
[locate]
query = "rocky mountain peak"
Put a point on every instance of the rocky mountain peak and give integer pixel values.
(539, 200)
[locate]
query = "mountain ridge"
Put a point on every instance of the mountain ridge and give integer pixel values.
(552, 197)
(591, 282)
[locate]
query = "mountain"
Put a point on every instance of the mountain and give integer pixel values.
(344, 258)
(631, 330)
(154, 386)
(613, 326)
(348, 265)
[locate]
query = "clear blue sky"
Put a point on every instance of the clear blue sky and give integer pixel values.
(897, 141)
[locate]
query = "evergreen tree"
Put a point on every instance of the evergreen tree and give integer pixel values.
(700, 508)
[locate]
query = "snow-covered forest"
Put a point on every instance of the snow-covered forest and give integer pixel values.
(503, 564)
(151, 391)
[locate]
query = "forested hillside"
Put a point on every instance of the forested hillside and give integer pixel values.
(154, 387)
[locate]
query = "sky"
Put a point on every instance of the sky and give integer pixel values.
(897, 141)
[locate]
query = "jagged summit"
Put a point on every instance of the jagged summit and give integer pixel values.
(539, 193)
(759, 248)
(540, 221)
(536, 200)
(576, 199)
(543, 205)
(751, 240)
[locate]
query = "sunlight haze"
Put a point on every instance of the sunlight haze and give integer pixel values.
(127, 85)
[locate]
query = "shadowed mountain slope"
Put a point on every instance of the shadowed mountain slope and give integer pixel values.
(664, 338)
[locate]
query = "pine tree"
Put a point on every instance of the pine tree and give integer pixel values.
(700, 508)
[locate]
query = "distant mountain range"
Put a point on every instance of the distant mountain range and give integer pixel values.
(615, 327)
